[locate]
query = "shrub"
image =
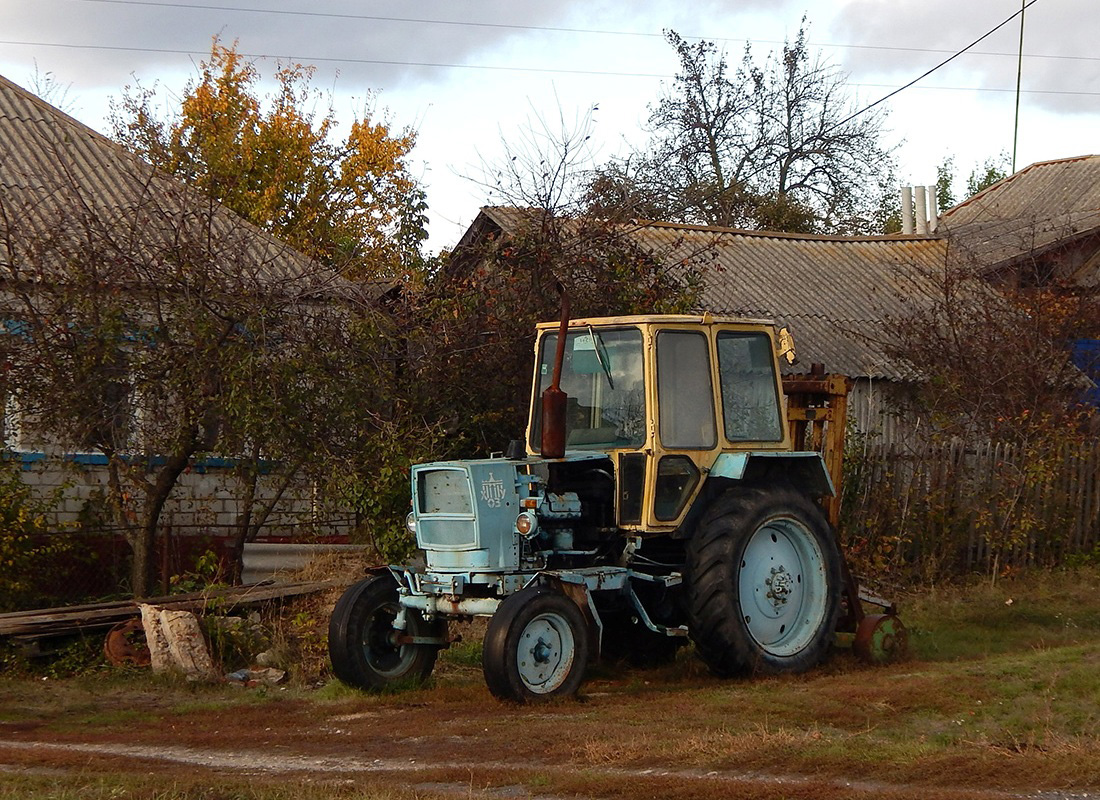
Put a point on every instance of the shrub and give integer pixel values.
(27, 547)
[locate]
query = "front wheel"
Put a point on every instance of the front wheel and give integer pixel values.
(764, 583)
(365, 648)
(536, 647)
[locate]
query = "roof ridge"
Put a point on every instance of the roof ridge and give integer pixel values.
(1008, 180)
(765, 234)
(492, 210)
(52, 112)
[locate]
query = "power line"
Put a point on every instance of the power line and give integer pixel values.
(898, 49)
(538, 70)
(942, 64)
(323, 59)
(1019, 77)
(1005, 89)
(498, 68)
(548, 28)
(373, 17)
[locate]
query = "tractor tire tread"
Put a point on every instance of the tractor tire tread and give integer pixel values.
(712, 605)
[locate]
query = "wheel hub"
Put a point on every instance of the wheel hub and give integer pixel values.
(545, 653)
(541, 651)
(382, 647)
(779, 586)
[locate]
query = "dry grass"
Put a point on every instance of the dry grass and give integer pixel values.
(997, 696)
(299, 627)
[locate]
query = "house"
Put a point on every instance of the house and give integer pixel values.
(1039, 230)
(62, 185)
(1039, 226)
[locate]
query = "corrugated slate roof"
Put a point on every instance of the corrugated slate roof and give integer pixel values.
(50, 164)
(834, 293)
(1048, 204)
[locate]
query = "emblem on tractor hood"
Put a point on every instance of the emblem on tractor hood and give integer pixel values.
(492, 491)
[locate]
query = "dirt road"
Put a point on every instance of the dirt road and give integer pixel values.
(626, 738)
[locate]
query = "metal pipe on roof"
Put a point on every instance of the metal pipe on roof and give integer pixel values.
(920, 200)
(906, 209)
(933, 210)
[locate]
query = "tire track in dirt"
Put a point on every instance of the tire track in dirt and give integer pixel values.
(250, 761)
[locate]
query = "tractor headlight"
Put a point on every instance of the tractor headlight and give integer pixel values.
(527, 524)
(410, 523)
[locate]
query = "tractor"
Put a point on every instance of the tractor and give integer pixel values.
(658, 498)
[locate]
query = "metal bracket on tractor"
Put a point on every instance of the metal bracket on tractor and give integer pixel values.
(817, 412)
(878, 638)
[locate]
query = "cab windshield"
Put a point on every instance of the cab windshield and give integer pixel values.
(602, 375)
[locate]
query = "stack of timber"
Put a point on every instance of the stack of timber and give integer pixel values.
(48, 622)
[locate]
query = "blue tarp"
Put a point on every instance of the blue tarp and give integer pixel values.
(1086, 355)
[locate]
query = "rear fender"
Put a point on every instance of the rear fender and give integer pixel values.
(804, 470)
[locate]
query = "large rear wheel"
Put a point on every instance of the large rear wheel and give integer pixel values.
(764, 583)
(366, 650)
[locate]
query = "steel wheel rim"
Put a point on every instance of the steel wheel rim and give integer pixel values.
(383, 656)
(544, 654)
(782, 586)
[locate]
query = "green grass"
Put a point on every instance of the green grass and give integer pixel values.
(975, 619)
(466, 653)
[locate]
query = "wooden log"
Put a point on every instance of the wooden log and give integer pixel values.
(159, 656)
(97, 616)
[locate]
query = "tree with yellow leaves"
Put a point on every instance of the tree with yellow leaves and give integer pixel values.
(348, 202)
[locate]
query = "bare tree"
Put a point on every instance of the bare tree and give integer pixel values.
(776, 146)
(544, 164)
(47, 86)
(472, 328)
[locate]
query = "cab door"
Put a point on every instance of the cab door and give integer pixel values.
(687, 430)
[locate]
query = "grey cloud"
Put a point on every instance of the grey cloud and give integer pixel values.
(372, 52)
(1052, 28)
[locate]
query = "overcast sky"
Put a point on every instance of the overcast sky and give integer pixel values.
(466, 73)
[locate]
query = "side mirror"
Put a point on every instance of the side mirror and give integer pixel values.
(784, 346)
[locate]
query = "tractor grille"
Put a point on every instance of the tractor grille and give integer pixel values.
(445, 511)
(444, 491)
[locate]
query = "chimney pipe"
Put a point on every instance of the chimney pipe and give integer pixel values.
(920, 201)
(906, 209)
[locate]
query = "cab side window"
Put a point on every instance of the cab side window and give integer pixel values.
(750, 402)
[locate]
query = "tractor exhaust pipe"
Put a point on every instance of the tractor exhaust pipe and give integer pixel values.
(554, 399)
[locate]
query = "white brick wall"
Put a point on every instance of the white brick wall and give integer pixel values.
(202, 502)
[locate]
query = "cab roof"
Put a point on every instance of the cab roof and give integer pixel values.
(659, 319)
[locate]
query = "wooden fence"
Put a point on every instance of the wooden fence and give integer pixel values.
(938, 509)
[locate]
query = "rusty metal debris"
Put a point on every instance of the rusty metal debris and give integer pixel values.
(880, 639)
(125, 645)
